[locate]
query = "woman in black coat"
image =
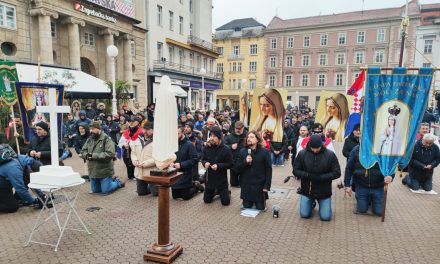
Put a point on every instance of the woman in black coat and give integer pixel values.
(351, 141)
(256, 172)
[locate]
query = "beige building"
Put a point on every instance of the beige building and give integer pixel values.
(75, 34)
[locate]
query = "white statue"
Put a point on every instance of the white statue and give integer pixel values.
(7, 83)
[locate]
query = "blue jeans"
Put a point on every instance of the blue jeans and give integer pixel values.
(325, 208)
(277, 160)
(104, 185)
(363, 197)
(416, 184)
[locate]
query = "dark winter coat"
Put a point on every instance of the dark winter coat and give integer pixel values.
(356, 173)
(349, 143)
(235, 139)
(187, 157)
(70, 128)
(316, 171)
(103, 152)
(222, 156)
(421, 157)
(256, 176)
(114, 130)
(290, 136)
(79, 139)
(279, 146)
(11, 141)
(43, 145)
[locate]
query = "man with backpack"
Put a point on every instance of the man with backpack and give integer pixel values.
(13, 171)
(99, 152)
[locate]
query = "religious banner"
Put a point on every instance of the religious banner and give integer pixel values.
(393, 110)
(245, 109)
(31, 95)
(268, 113)
(332, 113)
(8, 77)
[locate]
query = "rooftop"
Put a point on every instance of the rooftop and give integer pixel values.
(240, 24)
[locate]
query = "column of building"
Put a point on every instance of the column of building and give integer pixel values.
(108, 35)
(74, 40)
(44, 33)
(128, 59)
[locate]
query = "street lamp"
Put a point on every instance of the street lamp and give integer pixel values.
(297, 98)
(203, 72)
(112, 52)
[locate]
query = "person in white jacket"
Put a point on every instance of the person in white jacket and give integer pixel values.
(142, 158)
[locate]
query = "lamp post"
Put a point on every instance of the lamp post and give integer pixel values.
(203, 72)
(112, 52)
(297, 98)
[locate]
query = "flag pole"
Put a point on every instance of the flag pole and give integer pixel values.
(15, 129)
(346, 80)
(385, 194)
(405, 24)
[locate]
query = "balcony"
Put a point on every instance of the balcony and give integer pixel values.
(235, 57)
(159, 65)
(193, 40)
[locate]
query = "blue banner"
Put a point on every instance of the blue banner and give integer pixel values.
(393, 109)
(31, 95)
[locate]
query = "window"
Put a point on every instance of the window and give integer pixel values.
(428, 46)
(359, 57)
(290, 42)
(198, 62)
(159, 51)
(342, 37)
(273, 43)
(361, 37)
(381, 35)
(304, 80)
(321, 80)
(252, 83)
(205, 63)
(323, 41)
(379, 56)
(7, 16)
(53, 29)
(219, 67)
(236, 51)
(159, 15)
(426, 65)
(253, 66)
(234, 67)
(234, 84)
(340, 58)
(180, 25)
(289, 61)
(211, 65)
(190, 29)
(171, 21)
(89, 39)
(220, 50)
(322, 59)
(191, 60)
(239, 67)
(171, 54)
(305, 60)
(181, 56)
(133, 48)
(190, 6)
(306, 41)
(339, 79)
(253, 49)
(272, 81)
(273, 62)
(239, 85)
(288, 81)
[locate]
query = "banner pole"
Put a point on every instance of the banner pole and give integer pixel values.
(385, 194)
(15, 129)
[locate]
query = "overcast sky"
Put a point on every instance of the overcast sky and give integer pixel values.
(264, 10)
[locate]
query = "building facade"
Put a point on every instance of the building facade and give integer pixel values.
(307, 55)
(241, 45)
(428, 43)
(76, 34)
(179, 45)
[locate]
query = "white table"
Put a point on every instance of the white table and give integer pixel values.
(49, 190)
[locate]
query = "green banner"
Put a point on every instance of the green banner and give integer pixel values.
(8, 77)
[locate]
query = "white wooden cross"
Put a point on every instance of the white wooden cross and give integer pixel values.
(53, 109)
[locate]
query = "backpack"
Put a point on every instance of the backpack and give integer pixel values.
(6, 153)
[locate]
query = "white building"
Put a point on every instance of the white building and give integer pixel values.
(179, 35)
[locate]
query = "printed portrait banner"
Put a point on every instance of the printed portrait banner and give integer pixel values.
(245, 110)
(333, 112)
(393, 109)
(8, 77)
(268, 110)
(31, 95)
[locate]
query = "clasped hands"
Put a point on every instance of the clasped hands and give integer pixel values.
(213, 167)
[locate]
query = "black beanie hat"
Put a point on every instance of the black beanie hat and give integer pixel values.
(217, 132)
(43, 125)
(357, 127)
(315, 141)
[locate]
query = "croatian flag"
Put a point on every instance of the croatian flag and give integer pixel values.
(356, 91)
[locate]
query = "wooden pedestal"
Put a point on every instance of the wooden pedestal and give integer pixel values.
(163, 251)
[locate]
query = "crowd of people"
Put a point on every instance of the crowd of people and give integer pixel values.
(210, 144)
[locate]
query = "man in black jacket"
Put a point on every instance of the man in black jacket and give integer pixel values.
(352, 140)
(40, 144)
(255, 165)
(235, 141)
(186, 158)
(12, 141)
(369, 184)
(317, 167)
(69, 130)
(425, 157)
(216, 159)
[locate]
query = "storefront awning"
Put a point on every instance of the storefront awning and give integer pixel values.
(77, 84)
(178, 91)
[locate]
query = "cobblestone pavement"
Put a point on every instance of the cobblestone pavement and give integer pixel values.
(126, 223)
